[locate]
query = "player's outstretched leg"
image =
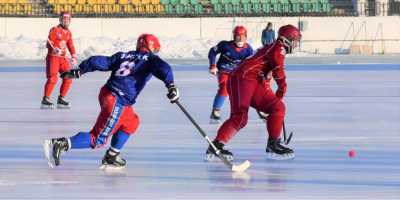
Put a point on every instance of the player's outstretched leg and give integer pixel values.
(53, 149)
(62, 103)
(46, 103)
(215, 117)
(112, 159)
(212, 156)
(277, 151)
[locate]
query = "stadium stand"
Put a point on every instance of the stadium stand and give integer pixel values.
(182, 8)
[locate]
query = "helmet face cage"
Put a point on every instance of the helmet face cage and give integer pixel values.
(239, 35)
(65, 19)
(290, 36)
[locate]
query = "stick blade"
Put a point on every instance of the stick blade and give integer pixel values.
(289, 138)
(242, 167)
(47, 148)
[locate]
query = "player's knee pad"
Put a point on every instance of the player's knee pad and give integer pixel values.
(129, 121)
(52, 80)
(223, 91)
(278, 108)
(239, 120)
(132, 125)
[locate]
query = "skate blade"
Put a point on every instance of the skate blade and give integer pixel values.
(214, 158)
(274, 156)
(46, 107)
(59, 106)
(111, 168)
(47, 148)
(215, 121)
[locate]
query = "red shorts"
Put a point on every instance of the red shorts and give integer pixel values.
(113, 117)
(56, 64)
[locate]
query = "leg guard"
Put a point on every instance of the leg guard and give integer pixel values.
(275, 120)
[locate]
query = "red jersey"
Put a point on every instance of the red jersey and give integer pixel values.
(267, 59)
(60, 38)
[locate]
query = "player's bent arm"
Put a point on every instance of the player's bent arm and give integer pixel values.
(99, 63)
(70, 45)
(162, 70)
(212, 54)
(279, 76)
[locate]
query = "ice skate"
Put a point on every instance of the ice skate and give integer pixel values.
(277, 151)
(52, 150)
(112, 160)
(62, 103)
(212, 156)
(215, 117)
(46, 103)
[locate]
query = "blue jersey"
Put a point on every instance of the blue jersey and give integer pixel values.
(130, 72)
(230, 55)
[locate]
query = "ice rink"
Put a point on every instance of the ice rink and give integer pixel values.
(330, 108)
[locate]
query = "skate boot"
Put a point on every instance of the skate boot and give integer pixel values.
(53, 149)
(62, 104)
(46, 103)
(277, 151)
(212, 156)
(215, 117)
(112, 160)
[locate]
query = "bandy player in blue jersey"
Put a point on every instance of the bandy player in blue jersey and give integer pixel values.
(117, 120)
(231, 53)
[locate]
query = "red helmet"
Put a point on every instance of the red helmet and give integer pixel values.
(290, 35)
(239, 30)
(148, 42)
(65, 15)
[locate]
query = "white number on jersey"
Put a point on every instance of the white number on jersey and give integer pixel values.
(125, 68)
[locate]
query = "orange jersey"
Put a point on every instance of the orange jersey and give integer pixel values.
(62, 39)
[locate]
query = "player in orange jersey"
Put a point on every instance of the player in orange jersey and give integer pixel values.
(58, 41)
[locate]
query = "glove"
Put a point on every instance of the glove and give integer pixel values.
(279, 94)
(173, 93)
(213, 69)
(73, 73)
(74, 60)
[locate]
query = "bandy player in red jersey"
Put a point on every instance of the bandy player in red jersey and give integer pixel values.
(58, 41)
(248, 86)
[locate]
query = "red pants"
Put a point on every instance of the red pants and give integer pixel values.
(222, 84)
(55, 65)
(113, 117)
(244, 93)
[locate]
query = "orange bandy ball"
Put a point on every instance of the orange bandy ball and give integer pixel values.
(352, 153)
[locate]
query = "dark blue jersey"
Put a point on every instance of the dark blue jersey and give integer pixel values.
(230, 55)
(130, 72)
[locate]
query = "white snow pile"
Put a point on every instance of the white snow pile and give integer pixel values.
(24, 48)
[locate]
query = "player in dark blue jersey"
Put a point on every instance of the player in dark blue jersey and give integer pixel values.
(117, 120)
(231, 53)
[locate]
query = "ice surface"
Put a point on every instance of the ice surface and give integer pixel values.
(330, 112)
